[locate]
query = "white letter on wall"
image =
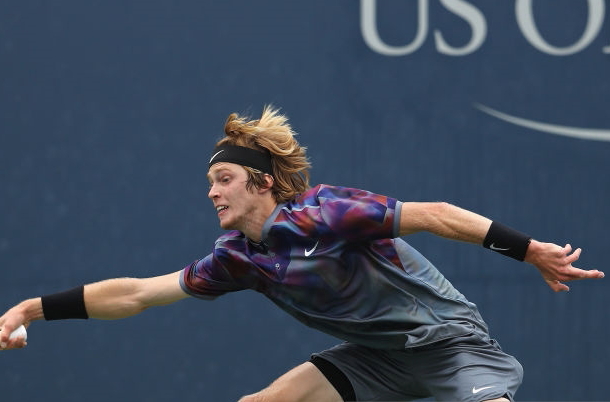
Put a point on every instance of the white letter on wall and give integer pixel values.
(525, 19)
(370, 33)
(475, 19)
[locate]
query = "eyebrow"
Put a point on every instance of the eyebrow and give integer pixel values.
(216, 172)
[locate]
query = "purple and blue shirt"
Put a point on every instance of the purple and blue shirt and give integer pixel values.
(332, 258)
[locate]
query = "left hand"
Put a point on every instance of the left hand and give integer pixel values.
(555, 264)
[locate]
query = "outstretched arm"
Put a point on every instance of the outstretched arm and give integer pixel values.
(123, 297)
(442, 219)
(110, 299)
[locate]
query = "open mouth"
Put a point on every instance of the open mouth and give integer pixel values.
(221, 208)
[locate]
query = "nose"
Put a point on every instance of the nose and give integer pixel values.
(213, 193)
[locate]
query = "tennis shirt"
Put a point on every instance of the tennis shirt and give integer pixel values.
(332, 258)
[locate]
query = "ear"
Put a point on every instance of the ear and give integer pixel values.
(268, 183)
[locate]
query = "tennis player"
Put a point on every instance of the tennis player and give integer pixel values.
(332, 257)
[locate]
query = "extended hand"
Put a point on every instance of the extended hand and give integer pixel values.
(8, 323)
(555, 264)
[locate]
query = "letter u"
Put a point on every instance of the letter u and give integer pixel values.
(370, 33)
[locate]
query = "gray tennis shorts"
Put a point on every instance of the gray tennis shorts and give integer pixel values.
(467, 368)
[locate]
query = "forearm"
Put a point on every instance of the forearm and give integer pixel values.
(119, 298)
(114, 298)
(445, 220)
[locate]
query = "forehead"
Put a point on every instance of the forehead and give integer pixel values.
(225, 166)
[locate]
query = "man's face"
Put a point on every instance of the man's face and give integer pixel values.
(233, 202)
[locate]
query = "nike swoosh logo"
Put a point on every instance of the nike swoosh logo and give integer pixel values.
(493, 247)
(566, 131)
(477, 390)
(310, 252)
(215, 155)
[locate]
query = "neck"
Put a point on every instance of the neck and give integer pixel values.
(253, 227)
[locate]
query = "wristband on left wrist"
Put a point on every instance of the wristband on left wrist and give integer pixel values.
(507, 241)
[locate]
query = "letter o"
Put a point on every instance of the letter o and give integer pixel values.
(525, 19)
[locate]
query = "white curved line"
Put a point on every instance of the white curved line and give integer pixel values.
(574, 132)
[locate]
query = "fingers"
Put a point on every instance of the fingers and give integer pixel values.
(558, 286)
(557, 268)
(576, 273)
(6, 329)
(5, 332)
(570, 258)
(588, 274)
(573, 274)
(4, 337)
(6, 342)
(17, 343)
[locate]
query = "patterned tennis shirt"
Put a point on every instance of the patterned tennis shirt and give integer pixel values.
(333, 260)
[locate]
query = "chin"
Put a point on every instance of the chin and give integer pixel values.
(227, 225)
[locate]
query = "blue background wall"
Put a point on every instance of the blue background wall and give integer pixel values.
(109, 109)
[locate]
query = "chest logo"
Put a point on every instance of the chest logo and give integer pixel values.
(311, 250)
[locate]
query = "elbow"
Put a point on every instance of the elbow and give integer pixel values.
(440, 208)
(434, 215)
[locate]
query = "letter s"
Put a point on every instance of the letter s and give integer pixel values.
(475, 19)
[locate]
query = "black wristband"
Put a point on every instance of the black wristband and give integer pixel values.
(507, 241)
(64, 305)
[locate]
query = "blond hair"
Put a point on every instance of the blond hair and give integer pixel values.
(271, 133)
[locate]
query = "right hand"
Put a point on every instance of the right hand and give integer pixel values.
(10, 321)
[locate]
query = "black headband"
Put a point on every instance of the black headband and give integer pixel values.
(242, 156)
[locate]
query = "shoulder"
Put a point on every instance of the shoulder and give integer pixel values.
(233, 239)
(324, 202)
(326, 191)
(232, 255)
(324, 194)
(315, 198)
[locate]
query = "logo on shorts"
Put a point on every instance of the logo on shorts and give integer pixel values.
(476, 390)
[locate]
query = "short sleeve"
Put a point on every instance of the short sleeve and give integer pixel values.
(207, 279)
(358, 214)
